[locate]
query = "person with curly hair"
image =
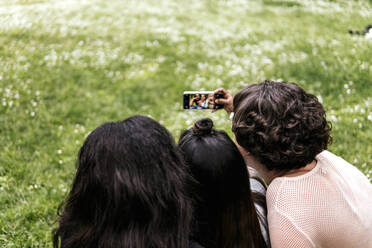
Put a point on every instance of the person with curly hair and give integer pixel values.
(314, 198)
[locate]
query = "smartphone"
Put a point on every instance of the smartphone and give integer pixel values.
(201, 100)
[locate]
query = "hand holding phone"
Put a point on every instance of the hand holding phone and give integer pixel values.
(226, 101)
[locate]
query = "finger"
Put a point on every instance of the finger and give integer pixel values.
(222, 101)
(221, 90)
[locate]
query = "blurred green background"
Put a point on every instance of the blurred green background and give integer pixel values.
(68, 66)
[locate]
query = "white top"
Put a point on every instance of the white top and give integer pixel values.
(328, 207)
(256, 186)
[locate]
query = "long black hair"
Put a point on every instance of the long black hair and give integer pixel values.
(130, 190)
(224, 211)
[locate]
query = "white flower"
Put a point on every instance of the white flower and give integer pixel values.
(333, 118)
(369, 35)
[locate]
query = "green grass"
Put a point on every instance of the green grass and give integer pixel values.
(68, 66)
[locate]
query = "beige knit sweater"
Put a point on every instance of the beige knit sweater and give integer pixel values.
(328, 207)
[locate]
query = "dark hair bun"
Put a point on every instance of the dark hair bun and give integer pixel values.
(203, 127)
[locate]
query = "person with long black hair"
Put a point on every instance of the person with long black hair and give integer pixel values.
(130, 190)
(225, 213)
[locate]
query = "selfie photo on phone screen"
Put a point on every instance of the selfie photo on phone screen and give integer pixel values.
(199, 100)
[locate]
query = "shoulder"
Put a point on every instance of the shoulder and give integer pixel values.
(329, 157)
(343, 168)
(286, 193)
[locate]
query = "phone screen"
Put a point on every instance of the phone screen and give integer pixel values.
(199, 100)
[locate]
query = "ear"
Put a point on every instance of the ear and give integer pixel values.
(241, 149)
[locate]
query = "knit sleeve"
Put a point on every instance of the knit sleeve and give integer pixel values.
(284, 233)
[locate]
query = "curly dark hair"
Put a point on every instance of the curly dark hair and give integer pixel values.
(280, 124)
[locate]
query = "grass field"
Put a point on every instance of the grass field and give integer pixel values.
(68, 66)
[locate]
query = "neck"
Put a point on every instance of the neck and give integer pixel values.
(257, 169)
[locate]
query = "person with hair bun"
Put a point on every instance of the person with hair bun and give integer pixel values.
(130, 190)
(314, 198)
(225, 208)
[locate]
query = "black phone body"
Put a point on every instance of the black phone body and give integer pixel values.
(201, 100)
